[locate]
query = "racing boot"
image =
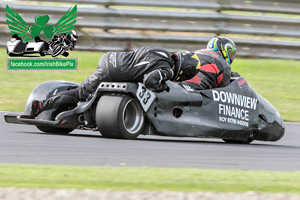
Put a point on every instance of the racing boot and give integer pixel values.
(36, 108)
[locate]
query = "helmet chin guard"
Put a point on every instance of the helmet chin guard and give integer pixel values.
(178, 62)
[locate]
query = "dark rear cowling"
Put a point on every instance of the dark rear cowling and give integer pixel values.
(44, 91)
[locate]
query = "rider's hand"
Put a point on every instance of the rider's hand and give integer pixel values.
(155, 81)
(160, 87)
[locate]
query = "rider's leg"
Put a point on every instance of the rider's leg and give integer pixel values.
(73, 96)
(64, 98)
(92, 82)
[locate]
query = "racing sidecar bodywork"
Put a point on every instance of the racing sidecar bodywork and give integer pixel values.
(16, 47)
(235, 113)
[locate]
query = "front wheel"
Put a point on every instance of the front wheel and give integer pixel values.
(119, 116)
(48, 129)
(238, 141)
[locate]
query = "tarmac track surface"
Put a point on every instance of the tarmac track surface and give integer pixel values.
(25, 144)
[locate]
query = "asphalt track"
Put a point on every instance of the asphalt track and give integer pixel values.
(27, 145)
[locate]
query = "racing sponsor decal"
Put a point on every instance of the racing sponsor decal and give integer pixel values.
(112, 59)
(188, 88)
(234, 108)
(242, 82)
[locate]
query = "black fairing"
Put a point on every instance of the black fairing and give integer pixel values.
(182, 113)
(208, 113)
(44, 91)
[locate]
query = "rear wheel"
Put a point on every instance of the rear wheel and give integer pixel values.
(48, 129)
(119, 116)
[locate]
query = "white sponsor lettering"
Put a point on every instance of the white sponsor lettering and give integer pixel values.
(188, 88)
(232, 111)
(235, 99)
(112, 59)
(222, 119)
(234, 108)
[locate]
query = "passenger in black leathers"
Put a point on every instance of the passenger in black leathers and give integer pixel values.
(150, 65)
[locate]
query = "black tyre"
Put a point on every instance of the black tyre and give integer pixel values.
(119, 116)
(51, 129)
(66, 54)
(57, 51)
(238, 141)
(48, 129)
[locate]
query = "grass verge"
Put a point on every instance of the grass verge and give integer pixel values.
(277, 80)
(155, 179)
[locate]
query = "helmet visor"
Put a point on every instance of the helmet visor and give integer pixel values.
(231, 52)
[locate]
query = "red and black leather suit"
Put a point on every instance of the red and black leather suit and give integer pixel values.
(214, 71)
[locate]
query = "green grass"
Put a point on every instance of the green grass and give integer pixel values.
(155, 179)
(277, 80)
(17, 85)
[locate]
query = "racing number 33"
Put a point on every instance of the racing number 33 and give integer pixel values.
(145, 96)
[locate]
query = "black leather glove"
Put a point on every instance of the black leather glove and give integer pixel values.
(155, 81)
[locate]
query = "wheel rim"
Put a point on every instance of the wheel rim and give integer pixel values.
(133, 117)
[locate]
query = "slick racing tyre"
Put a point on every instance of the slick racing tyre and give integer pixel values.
(48, 129)
(238, 141)
(51, 129)
(119, 116)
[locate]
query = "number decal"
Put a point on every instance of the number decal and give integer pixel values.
(145, 96)
(146, 99)
(142, 93)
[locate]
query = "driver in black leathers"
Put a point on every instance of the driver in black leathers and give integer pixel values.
(150, 65)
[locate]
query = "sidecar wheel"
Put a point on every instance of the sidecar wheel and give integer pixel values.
(48, 129)
(119, 116)
(238, 141)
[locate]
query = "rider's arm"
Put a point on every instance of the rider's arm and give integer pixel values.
(155, 80)
(224, 77)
